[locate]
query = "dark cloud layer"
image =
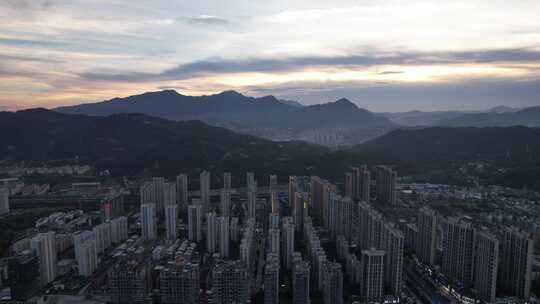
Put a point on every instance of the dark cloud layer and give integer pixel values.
(391, 72)
(223, 66)
(205, 20)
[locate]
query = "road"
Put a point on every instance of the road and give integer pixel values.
(423, 289)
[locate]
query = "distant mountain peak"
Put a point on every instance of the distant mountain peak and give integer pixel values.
(344, 103)
(168, 92)
(502, 109)
(230, 93)
(269, 98)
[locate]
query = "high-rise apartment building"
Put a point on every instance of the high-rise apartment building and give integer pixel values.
(486, 266)
(182, 191)
(349, 185)
(271, 279)
(119, 229)
(274, 241)
(273, 221)
(102, 233)
(130, 282)
(179, 283)
(299, 204)
(225, 202)
(370, 226)
(204, 179)
(333, 283)
(274, 202)
(224, 237)
(148, 222)
(153, 192)
(234, 230)
(23, 274)
(293, 186)
(171, 214)
(377, 234)
(211, 232)
(43, 246)
(169, 194)
(112, 207)
(392, 243)
(361, 183)
(195, 222)
(252, 202)
(287, 233)
(341, 210)
(372, 275)
(459, 238)
(300, 282)
(230, 283)
(4, 200)
(316, 196)
(329, 190)
(85, 252)
(386, 185)
(273, 183)
(426, 239)
(515, 272)
(227, 181)
(251, 184)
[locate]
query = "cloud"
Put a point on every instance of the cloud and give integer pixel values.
(391, 72)
(173, 87)
(6, 57)
(205, 20)
(8, 107)
(32, 42)
(224, 66)
(29, 5)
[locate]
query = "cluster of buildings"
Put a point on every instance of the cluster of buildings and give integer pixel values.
(45, 255)
(475, 259)
(313, 239)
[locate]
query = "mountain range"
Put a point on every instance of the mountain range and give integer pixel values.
(500, 116)
(443, 144)
(507, 156)
(128, 144)
(529, 117)
(334, 123)
(131, 144)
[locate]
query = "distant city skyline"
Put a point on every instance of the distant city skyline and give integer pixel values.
(383, 56)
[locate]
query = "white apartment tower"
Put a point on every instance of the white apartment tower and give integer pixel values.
(427, 235)
(44, 247)
(486, 266)
(148, 222)
(211, 232)
(372, 275)
(224, 238)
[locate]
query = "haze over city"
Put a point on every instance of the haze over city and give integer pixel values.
(386, 56)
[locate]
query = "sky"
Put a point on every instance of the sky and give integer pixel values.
(383, 55)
